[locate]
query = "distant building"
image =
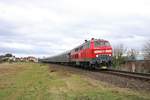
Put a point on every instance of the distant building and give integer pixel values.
(27, 59)
(33, 59)
(13, 58)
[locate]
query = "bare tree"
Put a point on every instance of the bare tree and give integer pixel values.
(118, 52)
(132, 53)
(147, 49)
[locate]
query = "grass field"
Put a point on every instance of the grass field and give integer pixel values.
(30, 81)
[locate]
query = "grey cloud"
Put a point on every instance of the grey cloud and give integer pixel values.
(6, 28)
(70, 29)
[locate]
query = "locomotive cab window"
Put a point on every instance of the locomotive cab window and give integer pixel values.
(106, 43)
(101, 43)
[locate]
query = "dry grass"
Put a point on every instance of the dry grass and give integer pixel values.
(30, 81)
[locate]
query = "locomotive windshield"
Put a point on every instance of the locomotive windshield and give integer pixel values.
(101, 43)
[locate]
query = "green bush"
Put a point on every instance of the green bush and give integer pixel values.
(117, 61)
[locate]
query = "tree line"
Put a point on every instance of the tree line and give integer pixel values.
(120, 50)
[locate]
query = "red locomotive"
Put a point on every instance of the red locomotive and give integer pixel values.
(91, 54)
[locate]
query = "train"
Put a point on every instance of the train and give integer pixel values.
(93, 53)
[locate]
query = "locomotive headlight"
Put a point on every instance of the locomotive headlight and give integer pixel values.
(96, 55)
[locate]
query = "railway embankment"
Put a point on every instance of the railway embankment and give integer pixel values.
(110, 78)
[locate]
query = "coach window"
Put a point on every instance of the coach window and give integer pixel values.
(81, 47)
(76, 49)
(84, 46)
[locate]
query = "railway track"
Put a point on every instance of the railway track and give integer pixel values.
(141, 76)
(135, 75)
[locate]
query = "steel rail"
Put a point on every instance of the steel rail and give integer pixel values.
(142, 76)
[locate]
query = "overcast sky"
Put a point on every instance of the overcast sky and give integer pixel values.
(48, 27)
